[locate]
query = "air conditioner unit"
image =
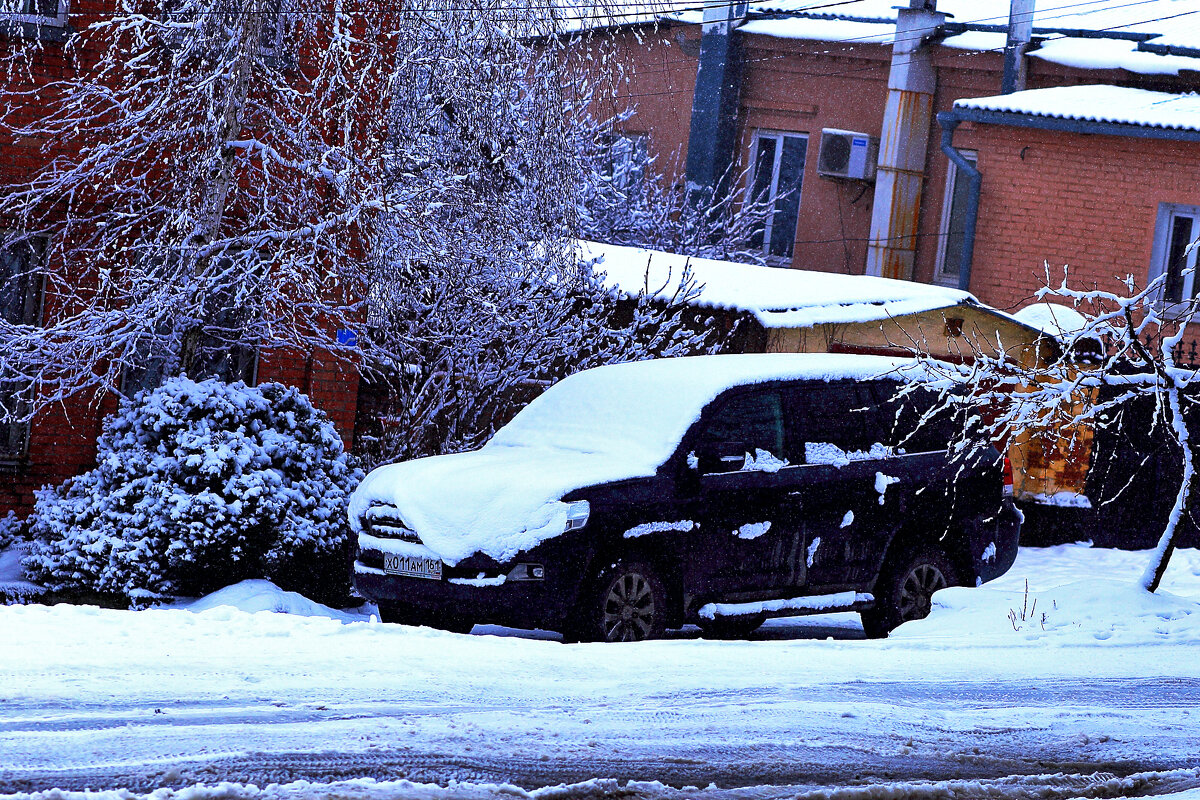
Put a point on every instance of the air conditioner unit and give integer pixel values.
(847, 154)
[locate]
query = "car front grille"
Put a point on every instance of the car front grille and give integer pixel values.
(385, 523)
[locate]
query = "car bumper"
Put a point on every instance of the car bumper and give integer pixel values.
(994, 543)
(514, 603)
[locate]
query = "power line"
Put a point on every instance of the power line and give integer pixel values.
(881, 65)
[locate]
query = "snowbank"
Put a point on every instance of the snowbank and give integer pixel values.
(255, 596)
(600, 425)
(1050, 598)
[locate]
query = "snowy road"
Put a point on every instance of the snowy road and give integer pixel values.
(1106, 684)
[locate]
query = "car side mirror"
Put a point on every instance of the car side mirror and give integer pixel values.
(716, 457)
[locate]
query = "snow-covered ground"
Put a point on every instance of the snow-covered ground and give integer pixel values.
(1094, 691)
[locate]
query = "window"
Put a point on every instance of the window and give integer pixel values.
(838, 414)
(34, 19)
(752, 421)
(778, 171)
(1174, 258)
(626, 159)
(954, 217)
(21, 289)
(228, 13)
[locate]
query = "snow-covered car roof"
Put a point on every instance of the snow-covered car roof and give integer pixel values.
(597, 426)
(777, 297)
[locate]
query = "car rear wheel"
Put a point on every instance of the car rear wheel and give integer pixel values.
(904, 591)
(628, 603)
(409, 615)
(731, 627)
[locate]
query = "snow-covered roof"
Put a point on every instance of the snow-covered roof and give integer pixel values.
(777, 297)
(1149, 36)
(1061, 322)
(1099, 103)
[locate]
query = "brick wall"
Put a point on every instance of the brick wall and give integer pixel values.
(1085, 201)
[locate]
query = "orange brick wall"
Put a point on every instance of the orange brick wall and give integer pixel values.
(1089, 202)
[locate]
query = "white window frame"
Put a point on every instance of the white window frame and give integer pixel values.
(772, 193)
(940, 276)
(59, 20)
(1164, 227)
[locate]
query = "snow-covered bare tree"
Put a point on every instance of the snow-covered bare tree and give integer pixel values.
(213, 182)
(1117, 350)
(481, 292)
(634, 200)
(225, 175)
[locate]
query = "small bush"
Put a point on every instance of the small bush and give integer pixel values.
(197, 486)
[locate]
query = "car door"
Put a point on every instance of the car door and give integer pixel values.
(751, 534)
(851, 498)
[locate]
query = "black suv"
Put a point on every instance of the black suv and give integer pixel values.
(718, 490)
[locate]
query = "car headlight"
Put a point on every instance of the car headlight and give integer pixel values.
(577, 514)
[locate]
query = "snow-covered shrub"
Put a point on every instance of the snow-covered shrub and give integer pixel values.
(198, 486)
(10, 529)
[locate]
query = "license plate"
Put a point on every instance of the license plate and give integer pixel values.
(413, 566)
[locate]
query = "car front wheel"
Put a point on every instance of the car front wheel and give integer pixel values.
(628, 603)
(904, 591)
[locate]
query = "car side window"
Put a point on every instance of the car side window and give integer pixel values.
(917, 420)
(833, 420)
(750, 422)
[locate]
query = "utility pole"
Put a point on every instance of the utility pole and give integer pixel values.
(1020, 31)
(912, 82)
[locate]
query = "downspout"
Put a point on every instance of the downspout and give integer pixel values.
(712, 135)
(949, 122)
(912, 81)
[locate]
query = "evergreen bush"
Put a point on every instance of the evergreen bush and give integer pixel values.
(198, 486)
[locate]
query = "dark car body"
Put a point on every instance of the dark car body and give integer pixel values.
(846, 483)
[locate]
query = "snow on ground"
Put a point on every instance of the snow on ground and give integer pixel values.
(984, 692)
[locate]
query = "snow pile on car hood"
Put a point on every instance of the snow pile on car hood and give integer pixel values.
(601, 425)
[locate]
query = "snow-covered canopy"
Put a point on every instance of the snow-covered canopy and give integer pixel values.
(778, 298)
(1098, 103)
(600, 425)
(1089, 35)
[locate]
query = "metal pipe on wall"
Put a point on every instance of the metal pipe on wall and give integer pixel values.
(907, 122)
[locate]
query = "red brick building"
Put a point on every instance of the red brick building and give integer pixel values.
(61, 441)
(1091, 197)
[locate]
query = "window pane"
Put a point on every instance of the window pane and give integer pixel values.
(1177, 257)
(764, 169)
(787, 196)
(755, 420)
(837, 415)
(955, 223)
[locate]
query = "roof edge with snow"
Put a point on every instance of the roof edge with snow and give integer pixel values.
(1092, 109)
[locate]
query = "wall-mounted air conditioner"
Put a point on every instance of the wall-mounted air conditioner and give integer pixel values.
(847, 154)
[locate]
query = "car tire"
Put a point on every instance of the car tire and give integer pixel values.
(399, 614)
(626, 603)
(905, 589)
(731, 627)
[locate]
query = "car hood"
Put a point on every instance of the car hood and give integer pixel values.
(498, 501)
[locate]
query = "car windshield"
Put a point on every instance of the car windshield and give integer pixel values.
(639, 415)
